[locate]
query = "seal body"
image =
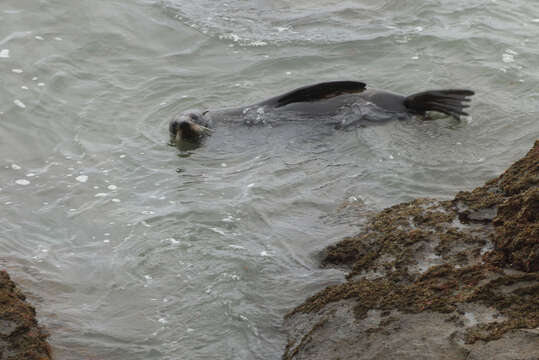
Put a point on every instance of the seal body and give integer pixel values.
(340, 103)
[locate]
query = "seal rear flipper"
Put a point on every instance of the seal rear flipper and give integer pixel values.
(450, 102)
(315, 92)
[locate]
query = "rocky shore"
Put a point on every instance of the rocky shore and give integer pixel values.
(21, 338)
(432, 279)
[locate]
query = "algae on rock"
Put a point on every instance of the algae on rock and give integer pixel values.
(469, 265)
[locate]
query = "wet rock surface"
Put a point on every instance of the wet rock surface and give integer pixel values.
(20, 336)
(434, 279)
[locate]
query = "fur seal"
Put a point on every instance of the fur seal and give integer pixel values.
(344, 102)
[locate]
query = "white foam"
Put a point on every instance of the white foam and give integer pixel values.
(15, 167)
(230, 36)
(4, 53)
(264, 253)
(100, 195)
(19, 103)
(116, 200)
(82, 178)
(172, 241)
(17, 71)
(258, 43)
(508, 58)
(39, 37)
(41, 84)
(30, 175)
(219, 231)
(112, 187)
(23, 182)
(237, 247)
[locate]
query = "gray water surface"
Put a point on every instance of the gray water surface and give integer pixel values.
(131, 249)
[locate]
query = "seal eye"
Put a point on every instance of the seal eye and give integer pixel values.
(173, 127)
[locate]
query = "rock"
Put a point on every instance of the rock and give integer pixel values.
(20, 336)
(516, 344)
(432, 279)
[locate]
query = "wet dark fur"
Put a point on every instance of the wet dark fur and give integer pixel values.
(326, 99)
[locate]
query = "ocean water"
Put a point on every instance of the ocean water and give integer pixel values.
(131, 249)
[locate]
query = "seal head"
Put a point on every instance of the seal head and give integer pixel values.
(190, 127)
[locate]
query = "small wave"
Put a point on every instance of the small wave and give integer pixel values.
(246, 25)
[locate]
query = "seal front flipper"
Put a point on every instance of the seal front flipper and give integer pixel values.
(316, 92)
(450, 102)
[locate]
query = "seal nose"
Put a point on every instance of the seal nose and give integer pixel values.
(185, 130)
(184, 125)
